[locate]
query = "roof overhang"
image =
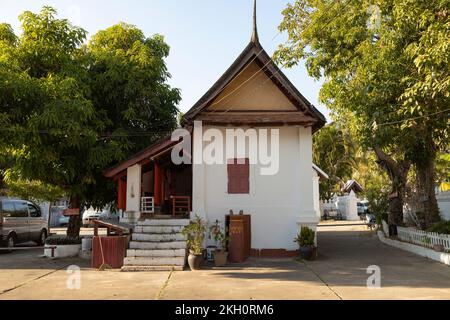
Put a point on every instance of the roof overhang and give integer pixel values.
(148, 154)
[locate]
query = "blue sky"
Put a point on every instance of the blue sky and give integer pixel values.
(205, 36)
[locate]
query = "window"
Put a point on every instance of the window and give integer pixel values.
(8, 209)
(34, 212)
(21, 210)
(238, 176)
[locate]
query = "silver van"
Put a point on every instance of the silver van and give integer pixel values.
(21, 221)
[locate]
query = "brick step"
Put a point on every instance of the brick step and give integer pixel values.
(158, 245)
(154, 261)
(157, 237)
(151, 268)
(158, 229)
(164, 222)
(156, 253)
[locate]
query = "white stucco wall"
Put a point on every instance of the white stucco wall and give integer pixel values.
(316, 193)
(278, 204)
(134, 188)
(443, 199)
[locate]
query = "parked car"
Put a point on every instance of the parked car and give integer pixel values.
(21, 221)
(92, 214)
(332, 214)
(363, 208)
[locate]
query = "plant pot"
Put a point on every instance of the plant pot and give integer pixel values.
(220, 258)
(195, 261)
(306, 253)
(438, 248)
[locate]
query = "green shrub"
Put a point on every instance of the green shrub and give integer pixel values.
(306, 237)
(442, 227)
(62, 240)
(195, 234)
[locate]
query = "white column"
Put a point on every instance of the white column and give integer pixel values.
(134, 188)
(316, 191)
(352, 207)
(198, 174)
(307, 215)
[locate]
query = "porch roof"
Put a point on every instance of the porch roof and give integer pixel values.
(155, 149)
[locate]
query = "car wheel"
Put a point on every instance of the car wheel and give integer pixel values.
(10, 242)
(42, 237)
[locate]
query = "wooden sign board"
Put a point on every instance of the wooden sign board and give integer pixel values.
(71, 212)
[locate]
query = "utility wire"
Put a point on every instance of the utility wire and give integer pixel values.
(149, 133)
(413, 118)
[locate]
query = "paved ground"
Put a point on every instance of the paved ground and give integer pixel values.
(338, 273)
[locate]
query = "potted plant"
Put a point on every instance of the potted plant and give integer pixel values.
(62, 247)
(221, 254)
(195, 234)
(305, 240)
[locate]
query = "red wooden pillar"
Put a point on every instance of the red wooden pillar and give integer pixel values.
(158, 184)
(122, 195)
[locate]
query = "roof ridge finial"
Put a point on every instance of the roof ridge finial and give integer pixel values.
(255, 38)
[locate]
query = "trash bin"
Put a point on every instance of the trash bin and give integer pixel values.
(109, 251)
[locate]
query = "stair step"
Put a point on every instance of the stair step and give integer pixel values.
(156, 253)
(154, 261)
(158, 229)
(151, 268)
(164, 222)
(158, 245)
(161, 237)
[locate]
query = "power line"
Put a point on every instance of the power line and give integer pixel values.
(414, 118)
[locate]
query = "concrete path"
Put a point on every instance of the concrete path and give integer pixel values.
(347, 252)
(338, 273)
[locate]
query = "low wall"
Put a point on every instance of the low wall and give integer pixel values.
(421, 251)
(443, 200)
(347, 206)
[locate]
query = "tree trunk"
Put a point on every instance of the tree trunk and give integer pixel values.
(398, 172)
(426, 188)
(73, 228)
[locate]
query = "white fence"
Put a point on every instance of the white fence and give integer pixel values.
(423, 238)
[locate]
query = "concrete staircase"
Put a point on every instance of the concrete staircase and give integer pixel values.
(157, 245)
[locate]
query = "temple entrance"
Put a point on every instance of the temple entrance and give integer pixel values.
(166, 188)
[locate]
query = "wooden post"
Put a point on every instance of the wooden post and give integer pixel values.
(122, 195)
(158, 184)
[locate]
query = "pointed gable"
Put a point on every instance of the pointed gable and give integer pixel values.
(254, 91)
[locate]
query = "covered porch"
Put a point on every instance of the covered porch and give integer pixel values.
(151, 186)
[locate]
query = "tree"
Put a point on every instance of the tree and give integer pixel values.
(386, 70)
(59, 130)
(129, 85)
(333, 152)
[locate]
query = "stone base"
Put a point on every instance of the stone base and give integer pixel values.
(151, 268)
(130, 217)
